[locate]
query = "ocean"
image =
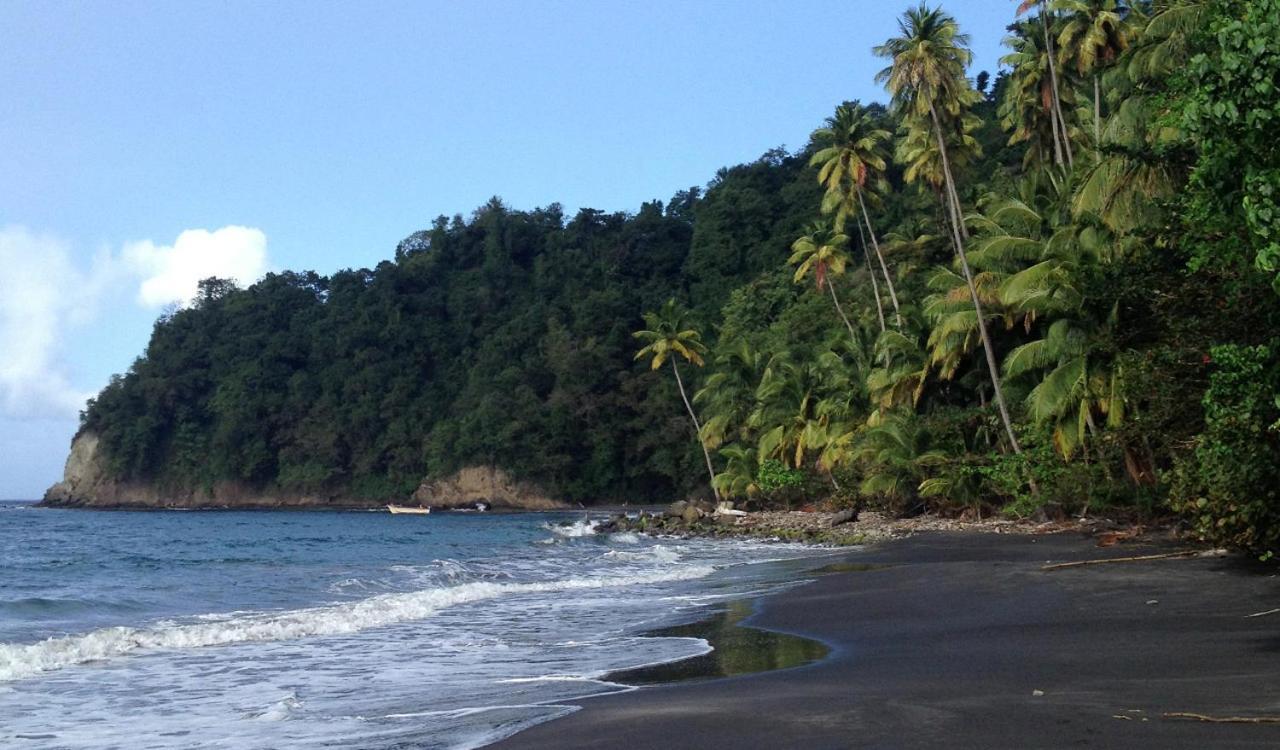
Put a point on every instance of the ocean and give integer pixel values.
(293, 629)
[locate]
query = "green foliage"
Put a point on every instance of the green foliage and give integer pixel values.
(1229, 485)
(1231, 109)
(774, 475)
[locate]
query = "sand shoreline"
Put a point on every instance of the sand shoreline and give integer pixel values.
(963, 640)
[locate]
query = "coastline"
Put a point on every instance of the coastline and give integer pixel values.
(962, 640)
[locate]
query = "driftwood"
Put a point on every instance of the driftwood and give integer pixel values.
(1223, 719)
(1139, 558)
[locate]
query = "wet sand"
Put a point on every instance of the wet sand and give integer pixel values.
(962, 641)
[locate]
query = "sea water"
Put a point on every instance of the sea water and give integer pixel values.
(295, 629)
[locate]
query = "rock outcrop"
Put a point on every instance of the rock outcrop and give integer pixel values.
(483, 484)
(88, 483)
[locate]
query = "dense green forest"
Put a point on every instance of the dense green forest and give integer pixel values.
(1054, 290)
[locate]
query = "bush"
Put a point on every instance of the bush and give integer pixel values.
(1228, 486)
(779, 484)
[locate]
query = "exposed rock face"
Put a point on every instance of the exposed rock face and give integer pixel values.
(484, 484)
(82, 473)
(86, 483)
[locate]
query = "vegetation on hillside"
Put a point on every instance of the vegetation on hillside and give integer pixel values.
(1058, 289)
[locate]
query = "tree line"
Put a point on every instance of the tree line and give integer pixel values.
(1059, 292)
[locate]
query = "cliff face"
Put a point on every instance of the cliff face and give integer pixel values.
(86, 483)
(483, 484)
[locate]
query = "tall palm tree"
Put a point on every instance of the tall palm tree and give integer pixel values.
(1029, 106)
(926, 77)
(875, 285)
(853, 152)
(667, 338)
(1094, 33)
(821, 252)
(1061, 135)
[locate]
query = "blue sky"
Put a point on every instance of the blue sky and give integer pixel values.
(144, 144)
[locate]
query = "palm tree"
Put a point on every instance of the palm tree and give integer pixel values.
(853, 152)
(1165, 35)
(926, 78)
(669, 337)
(740, 472)
(821, 252)
(1061, 135)
(896, 453)
(1094, 33)
(875, 285)
(794, 405)
(1029, 107)
(730, 392)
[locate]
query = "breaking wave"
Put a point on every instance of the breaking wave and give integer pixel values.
(18, 661)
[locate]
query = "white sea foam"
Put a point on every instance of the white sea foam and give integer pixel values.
(581, 527)
(281, 710)
(656, 553)
(18, 661)
(625, 537)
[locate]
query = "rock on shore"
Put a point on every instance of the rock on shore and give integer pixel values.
(843, 527)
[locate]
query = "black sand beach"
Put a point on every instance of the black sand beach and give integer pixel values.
(962, 641)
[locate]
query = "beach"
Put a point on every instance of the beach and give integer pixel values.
(963, 640)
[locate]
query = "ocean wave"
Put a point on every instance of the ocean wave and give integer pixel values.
(656, 553)
(19, 661)
(582, 527)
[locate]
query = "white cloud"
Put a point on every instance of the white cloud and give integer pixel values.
(171, 272)
(45, 289)
(41, 292)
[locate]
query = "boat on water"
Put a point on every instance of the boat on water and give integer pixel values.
(408, 509)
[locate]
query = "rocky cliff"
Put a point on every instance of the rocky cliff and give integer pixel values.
(485, 484)
(86, 483)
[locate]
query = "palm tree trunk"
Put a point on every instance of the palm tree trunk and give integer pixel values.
(875, 286)
(1097, 111)
(1053, 78)
(697, 430)
(893, 294)
(956, 222)
(843, 317)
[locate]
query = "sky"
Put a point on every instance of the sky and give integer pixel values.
(144, 146)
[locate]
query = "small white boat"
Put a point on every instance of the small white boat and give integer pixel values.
(408, 509)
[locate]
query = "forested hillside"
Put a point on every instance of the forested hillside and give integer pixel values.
(501, 339)
(1055, 288)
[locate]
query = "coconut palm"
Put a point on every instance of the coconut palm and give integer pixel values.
(668, 337)
(738, 480)
(1094, 33)
(1061, 134)
(852, 154)
(821, 252)
(896, 453)
(1165, 35)
(926, 78)
(730, 392)
(787, 415)
(1029, 107)
(875, 285)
